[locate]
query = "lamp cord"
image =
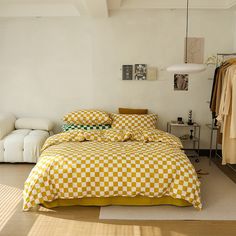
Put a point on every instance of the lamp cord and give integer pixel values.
(186, 42)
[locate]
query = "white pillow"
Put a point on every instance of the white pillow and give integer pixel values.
(34, 123)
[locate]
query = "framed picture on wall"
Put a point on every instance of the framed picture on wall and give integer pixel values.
(195, 50)
(140, 72)
(127, 72)
(181, 82)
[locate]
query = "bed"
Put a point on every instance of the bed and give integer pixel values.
(112, 167)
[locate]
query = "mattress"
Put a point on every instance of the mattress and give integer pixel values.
(125, 167)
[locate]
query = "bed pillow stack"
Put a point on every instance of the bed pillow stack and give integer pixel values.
(134, 121)
(86, 120)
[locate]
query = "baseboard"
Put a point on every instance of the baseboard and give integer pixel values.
(206, 152)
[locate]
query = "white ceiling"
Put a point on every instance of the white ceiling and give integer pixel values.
(99, 8)
(198, 4)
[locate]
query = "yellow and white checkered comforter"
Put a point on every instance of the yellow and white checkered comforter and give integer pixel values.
(110, 163)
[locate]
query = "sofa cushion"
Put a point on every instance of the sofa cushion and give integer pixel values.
(34, 123)
(23, 145)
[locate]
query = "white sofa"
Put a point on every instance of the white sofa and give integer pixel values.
(22, 139)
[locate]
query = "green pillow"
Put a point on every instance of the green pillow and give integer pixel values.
(68, 127)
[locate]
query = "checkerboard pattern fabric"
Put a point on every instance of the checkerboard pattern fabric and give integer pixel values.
(75, 169)
(87, 117)
(111, 135)
(68, 127)
(155, 135)
(121, 121)
(114, 135)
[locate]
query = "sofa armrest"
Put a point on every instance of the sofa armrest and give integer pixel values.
(34, 123)
(7, 124)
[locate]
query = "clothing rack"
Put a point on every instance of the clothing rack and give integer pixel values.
(226, 54)
(213, 126)
(223, 56)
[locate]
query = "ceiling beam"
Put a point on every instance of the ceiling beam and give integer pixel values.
(180, 4)
(97, 8)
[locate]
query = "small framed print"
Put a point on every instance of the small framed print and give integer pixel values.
(195, 50)
(127, 72)
(140, 72)
(181, 82)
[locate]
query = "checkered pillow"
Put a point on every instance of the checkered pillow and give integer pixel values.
(68, 127)
(87, 117)
(120, 121)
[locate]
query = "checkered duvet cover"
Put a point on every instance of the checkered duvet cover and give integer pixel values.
(110, 163)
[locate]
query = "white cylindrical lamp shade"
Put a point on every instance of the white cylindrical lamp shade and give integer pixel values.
(187, 68)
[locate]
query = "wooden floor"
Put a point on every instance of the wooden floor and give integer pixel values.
(84, 221)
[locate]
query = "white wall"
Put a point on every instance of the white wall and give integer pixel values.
(49, 66)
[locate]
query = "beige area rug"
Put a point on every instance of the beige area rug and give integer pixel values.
(218, 198)
(9, 199)
(46, 225)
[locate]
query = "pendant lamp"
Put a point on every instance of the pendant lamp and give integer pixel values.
(186, 68)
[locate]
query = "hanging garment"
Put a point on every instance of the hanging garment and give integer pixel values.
(227, 116)
(228, 144)
(218, 84)
(213, 93)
